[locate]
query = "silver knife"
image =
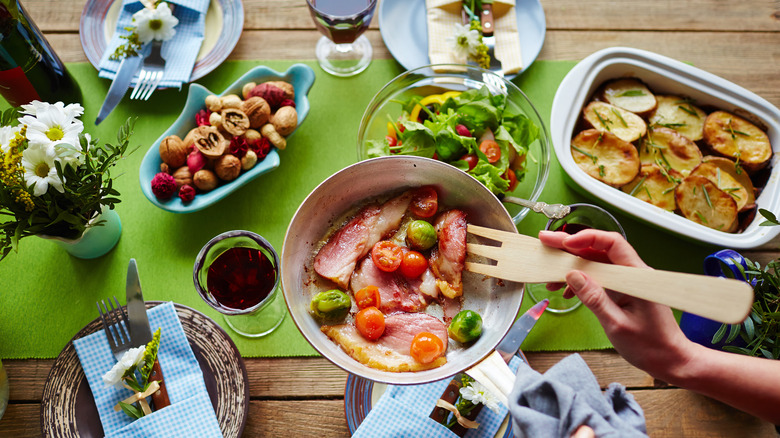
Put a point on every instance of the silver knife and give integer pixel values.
(118, 88)
(140, 332)
(507, 348)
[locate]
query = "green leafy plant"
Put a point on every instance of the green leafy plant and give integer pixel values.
(54, 178)
(761, 330)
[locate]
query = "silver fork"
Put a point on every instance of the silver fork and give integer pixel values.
(118, 334)
(151, 73)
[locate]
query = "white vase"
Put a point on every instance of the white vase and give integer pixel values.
(97, 240)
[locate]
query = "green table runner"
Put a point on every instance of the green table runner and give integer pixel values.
(46, 296)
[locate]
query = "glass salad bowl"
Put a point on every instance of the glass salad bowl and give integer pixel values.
(447, 112)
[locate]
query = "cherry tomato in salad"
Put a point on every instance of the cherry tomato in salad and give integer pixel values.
(491, 149)
(387, 255)
(511, 176)
(426, 347)
(425, 202)
(391, 141)
(413, 264)
(368, 297)
(471, 159)
(370, 322)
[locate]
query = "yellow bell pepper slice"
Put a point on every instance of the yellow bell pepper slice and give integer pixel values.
(427, 100)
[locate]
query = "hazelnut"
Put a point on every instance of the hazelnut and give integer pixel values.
(285, 120)
(289, 90)
(258, 111)
(173, 151)
(234, 121)
(205, 180)
(252, 135)
(249, 160)
(215, 119)
(227, 167)
(213, 103)
(230, 101)
(247, 88)
(182, 176)
(209, 141)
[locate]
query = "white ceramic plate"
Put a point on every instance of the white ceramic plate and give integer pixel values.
(404, 30)
(224, 23)
(664, 76)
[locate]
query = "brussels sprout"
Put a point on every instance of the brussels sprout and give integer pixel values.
(420, 235)
(466, 326)
(331, 305)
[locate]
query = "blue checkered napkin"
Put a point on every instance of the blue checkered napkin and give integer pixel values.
(403, 411)
(180, 52)
(190, 413)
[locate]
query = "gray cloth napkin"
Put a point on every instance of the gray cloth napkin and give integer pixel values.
(567, 396)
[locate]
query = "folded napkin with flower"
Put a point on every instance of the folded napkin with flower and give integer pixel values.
(451, 42)
(568, 396)
(190, 413)
(180, 51)
(403, 410)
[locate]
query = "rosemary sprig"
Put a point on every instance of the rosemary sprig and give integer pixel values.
(638, 185)
(701, 218)
(706, 195)
(631, 93)
(603, 122)
(587, 154)
(617, 113)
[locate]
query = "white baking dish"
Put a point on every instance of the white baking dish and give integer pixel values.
(663, 76)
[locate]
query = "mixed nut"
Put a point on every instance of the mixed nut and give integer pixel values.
(232, 135)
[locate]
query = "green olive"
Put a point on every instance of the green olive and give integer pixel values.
(420, 235)
(331, 305)
(466, 326)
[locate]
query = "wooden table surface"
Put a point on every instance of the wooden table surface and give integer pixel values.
(737, 40)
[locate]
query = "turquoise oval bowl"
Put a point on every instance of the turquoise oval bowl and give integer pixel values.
(299, 75)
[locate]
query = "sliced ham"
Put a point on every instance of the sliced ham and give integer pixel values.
(337, 259)
(396, 293)
(448, 259)
(391, 351)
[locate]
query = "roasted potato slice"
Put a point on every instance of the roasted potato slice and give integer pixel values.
(609, 118)
(604, 156)
(736, 138)
(739, 176)
(630, 94)
(679, 114)
(725, 182)
(670, 150)
(701, 201)
(654, 185)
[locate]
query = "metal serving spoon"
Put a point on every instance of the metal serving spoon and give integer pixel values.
(552, 211)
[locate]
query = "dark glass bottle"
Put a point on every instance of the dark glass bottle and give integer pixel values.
(29, 68)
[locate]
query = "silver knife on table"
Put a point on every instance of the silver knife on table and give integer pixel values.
(140, 332)
(119, 86)
(507, 348)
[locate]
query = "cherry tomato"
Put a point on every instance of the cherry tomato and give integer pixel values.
(426, 347)
(491, 149)
(413, 264)
(425, 202)
(370, 322)
(367, 297)
(391, 141)
(387, 255)
(511, 176)
(471, 159)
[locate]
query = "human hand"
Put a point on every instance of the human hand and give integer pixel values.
(646, 334)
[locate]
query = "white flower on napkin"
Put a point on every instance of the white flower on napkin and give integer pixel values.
(477, 393)
(155, 24)
(465, 41)
(131, 358)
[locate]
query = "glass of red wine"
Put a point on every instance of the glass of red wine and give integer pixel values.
(237, 273)
(344, 50)
(581, 217)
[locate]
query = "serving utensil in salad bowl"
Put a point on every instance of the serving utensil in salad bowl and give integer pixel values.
(525, 259)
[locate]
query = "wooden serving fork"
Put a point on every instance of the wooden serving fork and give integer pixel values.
(525, 259)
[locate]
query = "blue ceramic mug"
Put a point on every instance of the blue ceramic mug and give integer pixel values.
(699, 329)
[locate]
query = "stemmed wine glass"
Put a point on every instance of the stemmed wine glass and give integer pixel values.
(343, 51)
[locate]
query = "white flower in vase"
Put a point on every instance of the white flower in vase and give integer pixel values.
(39, 170)
(52, 124)
(7, 133)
